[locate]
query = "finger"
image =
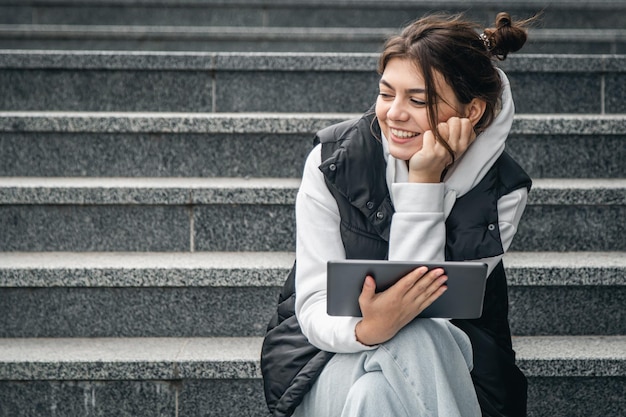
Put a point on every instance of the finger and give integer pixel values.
(428, 300)
(429, 140)
(467, 132)
(432, 292)
(407, 282)
(428, 282)
(444, 131)
(454, 131)
(368, 291)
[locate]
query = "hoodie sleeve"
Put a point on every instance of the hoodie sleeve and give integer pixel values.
(318, 240)
(418, 229)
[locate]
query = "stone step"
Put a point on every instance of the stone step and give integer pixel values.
(278, 82)
(272, 39)
(60, 144)
(571, 375)
(255, 214)
(204, 294)
(310, 13)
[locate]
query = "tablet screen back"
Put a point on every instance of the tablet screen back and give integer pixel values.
(462, 300)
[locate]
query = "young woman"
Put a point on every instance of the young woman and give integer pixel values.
(422, 177)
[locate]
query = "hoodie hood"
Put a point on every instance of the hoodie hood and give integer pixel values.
(472, 166)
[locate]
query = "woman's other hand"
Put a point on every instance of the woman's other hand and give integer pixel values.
(386, 312)
(428, 163)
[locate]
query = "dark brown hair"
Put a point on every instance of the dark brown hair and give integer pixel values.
(456, 49)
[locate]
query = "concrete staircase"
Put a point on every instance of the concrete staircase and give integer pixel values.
(569, 26)
(146, 198)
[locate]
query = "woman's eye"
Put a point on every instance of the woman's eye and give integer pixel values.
(385, 96)
(418, 102)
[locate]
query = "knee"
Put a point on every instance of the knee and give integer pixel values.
(435, 335)
(370, 392)
(421, 330)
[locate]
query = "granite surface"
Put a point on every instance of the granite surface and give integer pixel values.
(102, 89)
(539, 92)
(243, 269)
(579, 192)
(88, 398)
(217, 310)
(136, 312)
(321, 82)
(336, 91)
(576, 396)
(245, 311)
(213, 123)
(148, 191)
(94, 228)
(282, 62)
(615, 91)
(128, 358)
(262, 155)
(262, 144)
(571, 228)
(244, 228)
(311, 13)
(73, 214)
(132, 269)
(587, 156)
(160, 358)
(565, 268)
(571, 310)
(267, 39)
(581, 356)
(84, 122)
(565, 373)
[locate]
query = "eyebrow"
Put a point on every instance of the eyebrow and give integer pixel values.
(410, 90)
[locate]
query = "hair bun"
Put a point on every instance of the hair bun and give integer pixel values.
(503, 19)
(507, 36)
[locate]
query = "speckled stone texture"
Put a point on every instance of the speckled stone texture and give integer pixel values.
(247, 215)
(136, 312)
(245, 311)
(582, 156)
(259, 227)
(571, 228)
(192, 294)
(215, 374)
(154, 155)
(88, 398)
(553, 93)
(88, 227)
(576, 397)
(307, 91)
(312, 13)
(562, 310)
(99, 90)
(274, 145)
(118, 81)
(615, 93)
(153, 269)
(188, 398)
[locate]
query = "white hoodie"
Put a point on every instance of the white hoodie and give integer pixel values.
(418, 230)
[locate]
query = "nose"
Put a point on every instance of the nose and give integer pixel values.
(397, 110)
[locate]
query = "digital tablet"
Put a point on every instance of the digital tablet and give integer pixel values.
(462, 300)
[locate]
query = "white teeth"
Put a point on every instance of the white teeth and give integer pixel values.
(403, 134)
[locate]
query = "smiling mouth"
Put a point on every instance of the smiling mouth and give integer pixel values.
(403, 134)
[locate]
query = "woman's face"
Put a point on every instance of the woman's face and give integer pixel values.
(401, 106)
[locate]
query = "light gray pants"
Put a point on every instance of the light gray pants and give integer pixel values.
(424, 371)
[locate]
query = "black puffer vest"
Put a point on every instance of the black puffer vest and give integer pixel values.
(354, 168)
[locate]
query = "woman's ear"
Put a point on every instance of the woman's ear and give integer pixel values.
(475, 110)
